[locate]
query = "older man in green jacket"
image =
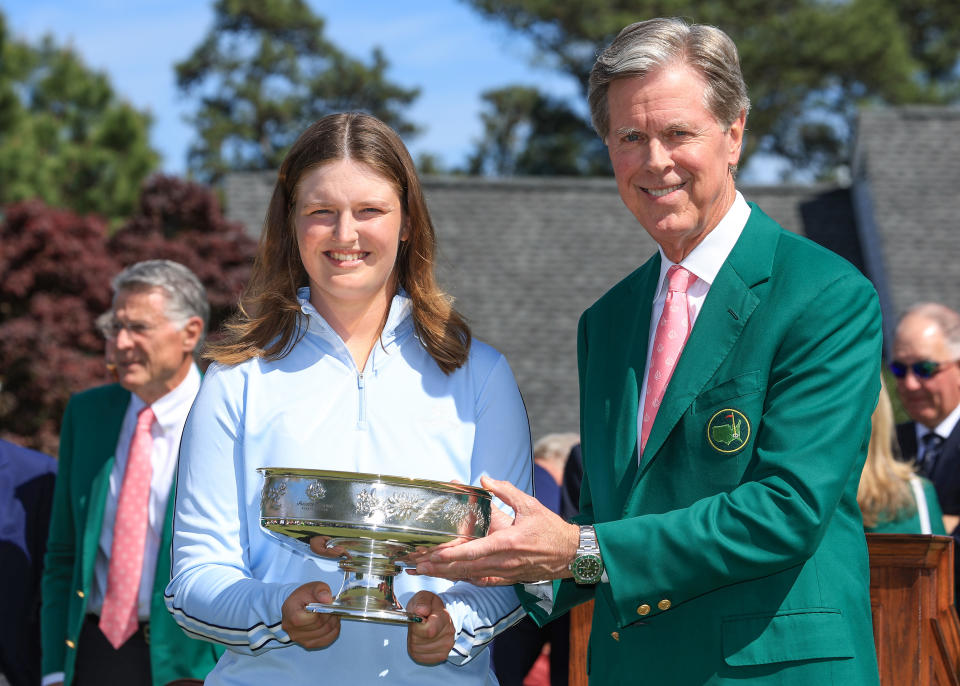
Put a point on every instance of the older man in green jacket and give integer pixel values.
(158, 318)
(726, 388)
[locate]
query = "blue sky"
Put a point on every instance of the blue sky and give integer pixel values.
(441, 46)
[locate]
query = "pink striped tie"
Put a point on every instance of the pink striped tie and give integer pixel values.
(118, 619)
(673, 329)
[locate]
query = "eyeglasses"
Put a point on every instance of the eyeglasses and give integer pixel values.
(111, 327)
(924, 369)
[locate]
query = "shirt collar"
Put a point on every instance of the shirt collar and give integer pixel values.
(401, 307)
(172, 408)
(943, 429)
(705, 260)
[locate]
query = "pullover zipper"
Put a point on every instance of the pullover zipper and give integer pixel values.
(362, 410)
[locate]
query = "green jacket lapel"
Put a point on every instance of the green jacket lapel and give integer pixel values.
(99, 441)
(724, 314)
(93, 525)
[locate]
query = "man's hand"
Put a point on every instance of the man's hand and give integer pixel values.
(950, 523)
(430, 641)
(534, 546)
(311, 630)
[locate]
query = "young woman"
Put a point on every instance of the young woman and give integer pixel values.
(345, 355)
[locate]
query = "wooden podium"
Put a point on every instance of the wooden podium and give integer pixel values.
(915, 625)
(581, 619)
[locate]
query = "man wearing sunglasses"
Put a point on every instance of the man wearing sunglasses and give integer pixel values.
(926, 351)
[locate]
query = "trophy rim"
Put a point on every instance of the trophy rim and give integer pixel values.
(365, 477)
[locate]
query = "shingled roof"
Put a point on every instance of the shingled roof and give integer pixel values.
(906, 171)
(525, 256)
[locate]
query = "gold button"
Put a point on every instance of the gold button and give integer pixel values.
(71, 644)
(79, 594)
(615, 635)
(664, 604)
(643, 610)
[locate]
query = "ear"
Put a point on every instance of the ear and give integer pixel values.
(405, 229)
(192, 331)
(735, 138)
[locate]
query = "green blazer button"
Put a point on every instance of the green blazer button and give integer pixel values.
(79, 594)
(70, 644)
(615, 635)
(643, 610)
(664, 604)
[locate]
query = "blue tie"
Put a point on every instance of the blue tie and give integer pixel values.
(932, 447)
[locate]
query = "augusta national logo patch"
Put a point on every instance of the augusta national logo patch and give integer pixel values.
(728, 430)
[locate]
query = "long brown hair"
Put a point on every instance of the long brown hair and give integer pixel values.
(269, 321)
(884, 493)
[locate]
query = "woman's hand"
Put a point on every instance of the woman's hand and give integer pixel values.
(430, 641)
(312, 630)
(319, 546)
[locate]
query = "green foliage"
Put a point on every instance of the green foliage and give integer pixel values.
(263, 73)
(527, 133)
(65, 137)
(809, 64)
(56, 280)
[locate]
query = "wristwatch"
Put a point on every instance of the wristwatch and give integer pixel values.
(587, 566)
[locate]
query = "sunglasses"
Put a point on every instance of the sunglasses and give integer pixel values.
(924, 369)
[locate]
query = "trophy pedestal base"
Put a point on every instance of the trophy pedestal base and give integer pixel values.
(366, 615)
(367, 591)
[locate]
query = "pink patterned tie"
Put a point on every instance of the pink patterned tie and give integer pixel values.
(118, 619)
(672, 332)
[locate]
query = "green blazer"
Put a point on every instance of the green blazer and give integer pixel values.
(735, 549)
(88, 438)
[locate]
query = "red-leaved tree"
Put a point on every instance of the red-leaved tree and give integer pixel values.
(55, 280)
(182, 221)
(55, 272)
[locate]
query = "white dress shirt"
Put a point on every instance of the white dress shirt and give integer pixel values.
(171, 412)
(704, 262)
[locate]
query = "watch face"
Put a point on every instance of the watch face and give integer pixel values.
(587, 569)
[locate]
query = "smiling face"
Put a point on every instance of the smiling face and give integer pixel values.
(152, 354)
(671, 157)
(349, 223)
(927, 401)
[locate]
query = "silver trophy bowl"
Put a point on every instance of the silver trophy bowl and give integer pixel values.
(376, 519)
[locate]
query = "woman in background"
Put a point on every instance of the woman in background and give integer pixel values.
(892, 497)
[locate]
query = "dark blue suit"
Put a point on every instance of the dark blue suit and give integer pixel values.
(26, 493)
(945, 474)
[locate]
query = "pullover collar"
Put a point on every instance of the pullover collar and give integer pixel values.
(398, 326)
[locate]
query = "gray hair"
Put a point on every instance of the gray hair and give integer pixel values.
(555, 447)
(186, 296)
(646, 46)
(946, 319)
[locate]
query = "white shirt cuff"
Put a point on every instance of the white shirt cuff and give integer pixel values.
(544, 591)
(53, 678)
